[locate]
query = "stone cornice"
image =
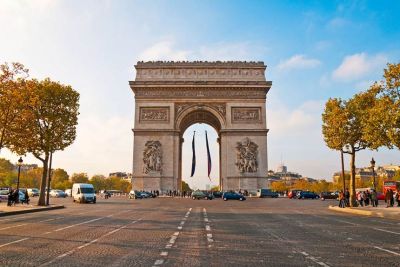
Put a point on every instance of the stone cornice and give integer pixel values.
(193, 64)
(199, 71)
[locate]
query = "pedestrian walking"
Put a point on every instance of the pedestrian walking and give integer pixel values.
(347, 197)
(398, 199)
(359, 198)
(388, 197)
(341, 200)
(374, 198)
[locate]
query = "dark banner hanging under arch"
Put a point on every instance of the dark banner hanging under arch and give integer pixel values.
(193, 157)
(208, 157)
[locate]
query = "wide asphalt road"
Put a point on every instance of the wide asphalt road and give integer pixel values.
(186, 232)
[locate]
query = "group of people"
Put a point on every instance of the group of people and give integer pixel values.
(391, 197)
(365, 198)
(14, 198)
(369, 197)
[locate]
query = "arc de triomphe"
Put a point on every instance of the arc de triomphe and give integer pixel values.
(171, 96)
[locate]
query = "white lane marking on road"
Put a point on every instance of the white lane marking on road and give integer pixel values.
(208, 228)
(158, 262)
(387, 231)
(13, 242)
(89, 243)
(77, 224)
(389, 251)
(308, 256)
(13, 226)
(172, 240)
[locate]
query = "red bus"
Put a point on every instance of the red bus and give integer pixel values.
(394, 185)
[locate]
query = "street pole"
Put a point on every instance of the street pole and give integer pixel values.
(20, 161)
(343, 177)
(373, 171)
(49, 179)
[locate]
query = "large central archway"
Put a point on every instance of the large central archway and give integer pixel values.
(171, 96)
(198, 114)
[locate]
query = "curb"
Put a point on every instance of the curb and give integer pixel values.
(395, 216)
(16, 212)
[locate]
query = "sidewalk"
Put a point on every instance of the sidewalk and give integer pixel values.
(23, 208)
(380, 211)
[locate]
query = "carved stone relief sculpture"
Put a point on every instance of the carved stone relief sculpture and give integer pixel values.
(246, 115)
(158, 114)
(246, 156)
(152, 157)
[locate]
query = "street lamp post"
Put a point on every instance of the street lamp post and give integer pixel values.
(20, 161)
(373, 171)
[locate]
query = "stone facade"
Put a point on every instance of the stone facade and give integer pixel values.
(229, 96)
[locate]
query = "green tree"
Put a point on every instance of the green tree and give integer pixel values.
(12, 78)
(49, 124)
(79, 178)
(382, 125)
(343, 128)
(279, 186)
(59, 177)
(99, 182)
(186, 187)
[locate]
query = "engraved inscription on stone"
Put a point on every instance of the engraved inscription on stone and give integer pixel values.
(158, 114)
(246, 156)
(152, 157)
(246, 115)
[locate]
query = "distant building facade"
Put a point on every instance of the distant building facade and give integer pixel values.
(365, 174)
(282, 174)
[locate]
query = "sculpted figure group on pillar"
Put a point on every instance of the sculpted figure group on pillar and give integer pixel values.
(246, 153)
(152, 157)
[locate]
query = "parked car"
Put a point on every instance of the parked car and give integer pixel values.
(68, 192)
(293, 193)
(202, 195)
(134, 194)
(307, 195)
(3, 195)
(217, 194)
(267, 193)
(329, 195)
(33, 192)
(233, 195)
(57, 193)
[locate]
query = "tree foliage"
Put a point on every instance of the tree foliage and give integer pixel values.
(48, 124)
(186, 187)
(12, 80)
(79, 178)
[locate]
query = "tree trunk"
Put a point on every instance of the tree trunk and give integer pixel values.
(343, 174)
(42, 196)
(353, 179)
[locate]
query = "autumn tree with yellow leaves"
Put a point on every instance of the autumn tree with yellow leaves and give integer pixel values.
(46, 113)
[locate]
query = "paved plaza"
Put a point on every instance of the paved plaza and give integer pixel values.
(186, 232)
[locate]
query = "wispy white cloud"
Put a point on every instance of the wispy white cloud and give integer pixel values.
(357, 66)
(299, 62)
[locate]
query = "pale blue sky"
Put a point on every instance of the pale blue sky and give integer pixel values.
(314, 50)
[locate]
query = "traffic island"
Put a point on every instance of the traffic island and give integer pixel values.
(22, 209)
(381, 212)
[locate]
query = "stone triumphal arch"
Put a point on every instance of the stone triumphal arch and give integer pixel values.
(171, 96)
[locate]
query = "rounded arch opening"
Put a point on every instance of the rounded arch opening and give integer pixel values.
(199, 118)
(200, 179)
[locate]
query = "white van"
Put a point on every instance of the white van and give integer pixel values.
(83, 193)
